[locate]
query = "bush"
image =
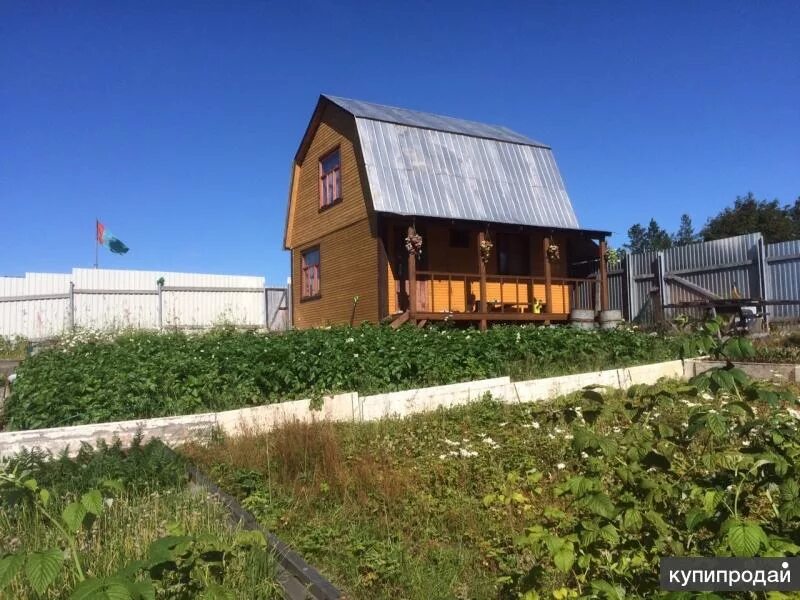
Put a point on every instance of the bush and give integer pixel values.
(142, 375)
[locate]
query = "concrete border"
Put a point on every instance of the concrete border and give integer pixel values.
(342, 407)
(777, 372)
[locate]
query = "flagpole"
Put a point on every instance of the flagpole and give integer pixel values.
(96, 243)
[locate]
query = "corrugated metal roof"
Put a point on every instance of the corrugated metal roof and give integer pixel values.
(413, 118)
(425, 172)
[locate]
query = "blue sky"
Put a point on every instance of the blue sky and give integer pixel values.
(176, 122)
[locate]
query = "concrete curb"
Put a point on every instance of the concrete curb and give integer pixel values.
(342, 407)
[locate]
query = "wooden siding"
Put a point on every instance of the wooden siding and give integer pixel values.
(307, 221)
(348, 267)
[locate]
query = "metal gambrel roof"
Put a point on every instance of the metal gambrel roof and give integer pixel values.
(425, 165)
(413, 118)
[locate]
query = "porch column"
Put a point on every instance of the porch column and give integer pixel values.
(603, 275)
(482, 273)
(548, 283)
(412, 282)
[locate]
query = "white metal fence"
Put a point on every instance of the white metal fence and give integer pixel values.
(44, 305)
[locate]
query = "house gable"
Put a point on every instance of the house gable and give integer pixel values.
(330, 128)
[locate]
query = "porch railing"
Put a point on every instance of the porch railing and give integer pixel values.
(439, 291)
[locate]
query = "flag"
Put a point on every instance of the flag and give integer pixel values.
(109, 240)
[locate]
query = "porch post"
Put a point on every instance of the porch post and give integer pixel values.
(548, 283)
(603, 276)
(482, 273)
(412, 282)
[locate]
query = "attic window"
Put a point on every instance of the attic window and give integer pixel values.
(330, 179)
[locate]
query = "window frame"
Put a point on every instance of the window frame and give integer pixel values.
(323, 176)
(303, 269)
(503, 248)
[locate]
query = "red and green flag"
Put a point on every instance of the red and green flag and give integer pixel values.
(109, 240)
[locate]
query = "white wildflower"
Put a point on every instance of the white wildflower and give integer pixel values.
(568, 436)
(561, 466)
(451, 442)
(350, 340)
(467, 453)
(535, 425)
(584, 455)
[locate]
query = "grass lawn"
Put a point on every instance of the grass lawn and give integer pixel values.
(149, 501)
(576, 497)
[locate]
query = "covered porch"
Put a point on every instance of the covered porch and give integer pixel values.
(480, 273)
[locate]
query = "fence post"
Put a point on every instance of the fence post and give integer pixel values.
(289, 303)
(71, 306)
(266, 309)
(160, 305)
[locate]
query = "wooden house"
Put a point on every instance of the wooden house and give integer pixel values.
(499, 237)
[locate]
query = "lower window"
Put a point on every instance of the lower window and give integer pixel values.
(310, 279)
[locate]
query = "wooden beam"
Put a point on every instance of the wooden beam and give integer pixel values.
(603, 276)
(482, 273)
(492, 316)
(412, 280)
(548, 276)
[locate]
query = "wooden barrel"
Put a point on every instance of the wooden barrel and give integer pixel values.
(610, 319)
(581, 318)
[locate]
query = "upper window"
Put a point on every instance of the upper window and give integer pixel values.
(330, 179)
(310, 279)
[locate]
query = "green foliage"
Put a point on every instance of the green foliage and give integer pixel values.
(654, 237)
(776, 222)
(179, 565)
(573, 498)
(143, 375)
(650, 492)
(15, 348)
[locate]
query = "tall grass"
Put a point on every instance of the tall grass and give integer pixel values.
(123, 533)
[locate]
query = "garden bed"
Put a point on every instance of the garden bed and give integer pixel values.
(122, 525)
(580, 495)
(147, 375)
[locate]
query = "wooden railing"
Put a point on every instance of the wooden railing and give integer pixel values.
(445, 292)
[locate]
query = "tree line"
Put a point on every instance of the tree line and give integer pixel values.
(777, 222)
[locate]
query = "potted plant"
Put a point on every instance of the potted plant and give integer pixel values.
(414, 244)
(553, 253)
(486, 250)
(613, 257)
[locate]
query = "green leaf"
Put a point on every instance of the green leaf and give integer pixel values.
(73, 516)
(695, 517)
(44, 496)
(41, 568)
(599, 504)
(717, 424)
(744, 539)
(632, 520)
(107, 588)
(564, 559)
(9, 567)
(93, 502)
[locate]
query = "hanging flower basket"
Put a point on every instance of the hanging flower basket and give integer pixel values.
(613, 257)
(414, 244)
(486, 250)
(553, 253)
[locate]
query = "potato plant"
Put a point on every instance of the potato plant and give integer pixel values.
(142, 375)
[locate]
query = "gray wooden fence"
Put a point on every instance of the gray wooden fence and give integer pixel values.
(742, 265)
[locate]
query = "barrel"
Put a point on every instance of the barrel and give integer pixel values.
(610, 319)
(581, 318)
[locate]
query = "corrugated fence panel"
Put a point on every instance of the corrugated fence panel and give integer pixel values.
(783, 266)
(34, 318)
(119, 299)
(641, 283)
